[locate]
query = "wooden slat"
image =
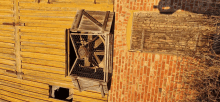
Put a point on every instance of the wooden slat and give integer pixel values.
(61, 6)
(7, 51)
(41, 30)
(54, 76)
(10, 98)
(43, 56)
(4, 73)
(42, 50)
(43, 38)
(7, 39)
(7, 62)
(29, 83)
(90, 94)
(7, 56)
(34, 67)
(46, 25)
(47, 19)
(42, 34)
(49, 81)
(46, 13)
(7, 34)
(86, 99)
(25, 87)
(19, 94)
(74, 1)
(45, 44)
(97, 42)
(6, 2)
(7, 67)
(29, 1)
(15, 88)
(6, 27)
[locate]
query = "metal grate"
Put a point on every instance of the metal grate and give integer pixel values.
(90, 50)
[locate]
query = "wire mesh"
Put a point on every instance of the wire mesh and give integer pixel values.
(86, 64)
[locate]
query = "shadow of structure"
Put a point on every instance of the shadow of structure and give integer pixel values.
(207, 7)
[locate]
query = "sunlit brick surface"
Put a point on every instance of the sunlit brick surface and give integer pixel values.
(144, 77)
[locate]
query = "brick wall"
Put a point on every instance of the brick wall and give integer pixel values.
(143, 77)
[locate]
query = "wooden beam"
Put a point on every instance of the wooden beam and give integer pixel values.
(97, 42)
(67, 52)
(92, 19)
(17, 39)
(106, 20)
(77, 20)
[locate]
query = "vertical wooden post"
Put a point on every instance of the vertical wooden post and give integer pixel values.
(17, 39)
(67, 52)
(142, 41)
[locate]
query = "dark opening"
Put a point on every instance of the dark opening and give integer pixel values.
(72, 55)
(61, 93)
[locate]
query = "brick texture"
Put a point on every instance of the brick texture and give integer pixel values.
(143, 77)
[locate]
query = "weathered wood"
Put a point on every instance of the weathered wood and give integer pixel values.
(168, 33)
(98, 42)
(106, 20)
(92, 19)
(77, 19)
(67, 69)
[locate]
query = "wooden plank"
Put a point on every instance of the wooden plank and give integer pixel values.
(95, 7)
(2, 100)
(43, 56)
(7, 67)
(16, 89)
(29, 1)
(19, 95)
(42, 38)
(43, 44)
(46, 75)
(7, 51)
(25, 87)
(6, 27)
(43, 34)
(29, 22)
(49, 81)
(77, 19)
(10, 98)
(106, 20)
(42, 50)
(67, 36)
(7, 34)
(7, 56)
(47, 13)
(6, 2)
(7, 62)
(47, 19)
(29, 83)
(5, 20)
(46, 25)
(90, 94)
(41, 30)
(86, 99)
(3, 71)
(97, 42)
(74, 1)
(7, 39)
(42, 68)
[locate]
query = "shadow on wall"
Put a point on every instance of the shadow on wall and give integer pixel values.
(207, 7)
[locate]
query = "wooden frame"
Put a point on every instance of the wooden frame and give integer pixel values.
(107, 39)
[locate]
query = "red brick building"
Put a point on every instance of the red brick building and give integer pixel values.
(141, 76)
